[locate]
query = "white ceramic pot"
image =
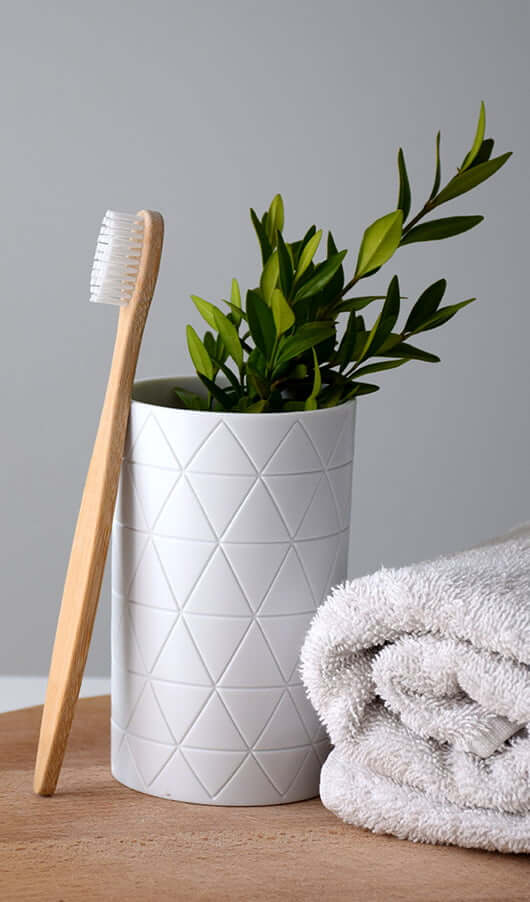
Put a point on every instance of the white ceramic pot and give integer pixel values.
(230, 530)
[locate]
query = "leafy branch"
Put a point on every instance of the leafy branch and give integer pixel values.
(280, 349)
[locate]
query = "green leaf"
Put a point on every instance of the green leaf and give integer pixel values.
(344, 354)
(307, 336)
(380, 240)
(361, 388)
(257, 382)
(228, 333)
(484, 153)
(294, 405)
(221, 352)
(437, 170)
(324, 272)
(334, 287)
(235, 301)
(307, 254)
(209, 343)
(269, 277)
(311, 402)
(190, 401)
(441, 228)
(237, 313)
(332, 247)
(206, 309)
(426, 305)
(275, 218)
(286, 266)
(358, 303)
(390, 309)
(403, 203)
(385, 321)
(296, 247)
(232, 378)
(220, 395)
(264, 243)
(470, 178)
(198, 353)
(403, 349)
(375, 367)
(258, 407)
(442, 316)
(261, 323)
(281, 311)
(478, 139)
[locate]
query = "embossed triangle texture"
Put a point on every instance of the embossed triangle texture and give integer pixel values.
(153, 486)
(150, 585)
(183, 516)
(128, 510)
(220, 496)
(184, 563)
(149, 757)
(184, 438)
(255, 566)
(290, 592)
(151, 628)
(152, 447)
(213, 768)
(293, 495)
(261, 437)
(180, 705)
(296, 446)
(229, 532)
(222, 454)
(128, 546)
(218, 591)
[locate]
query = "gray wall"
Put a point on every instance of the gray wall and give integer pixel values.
(201, 110)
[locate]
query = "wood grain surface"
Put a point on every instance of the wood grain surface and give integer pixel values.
(96, 840)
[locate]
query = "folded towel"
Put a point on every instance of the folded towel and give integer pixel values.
(421, 677)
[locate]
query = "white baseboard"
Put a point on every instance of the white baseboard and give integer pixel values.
(25, 691)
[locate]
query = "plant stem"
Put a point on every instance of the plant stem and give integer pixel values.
(427, 207)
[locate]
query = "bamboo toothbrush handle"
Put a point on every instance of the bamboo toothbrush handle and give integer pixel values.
(91, 538)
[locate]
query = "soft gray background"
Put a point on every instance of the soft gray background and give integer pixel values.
(201, 109)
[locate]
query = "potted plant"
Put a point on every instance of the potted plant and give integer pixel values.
(233, 517)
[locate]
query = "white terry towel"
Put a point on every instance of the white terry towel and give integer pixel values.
(421, 676)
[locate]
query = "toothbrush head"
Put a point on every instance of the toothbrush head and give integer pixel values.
(117, 259)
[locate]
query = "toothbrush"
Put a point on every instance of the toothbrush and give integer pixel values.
(124, 273)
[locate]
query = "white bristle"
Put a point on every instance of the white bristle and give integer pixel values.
(117, 258)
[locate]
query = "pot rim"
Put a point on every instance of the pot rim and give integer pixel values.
(140, 386)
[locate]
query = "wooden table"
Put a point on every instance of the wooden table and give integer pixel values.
(96, 840)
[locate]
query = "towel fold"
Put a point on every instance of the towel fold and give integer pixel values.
(421, 676)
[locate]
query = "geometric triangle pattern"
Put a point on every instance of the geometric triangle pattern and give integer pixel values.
(217, 591)
(317, 558)
(321, 509)
(220, 499)
(296, 446)
(290, 583)
(284, 729)
(250, 709)
(213, 771)
(282, 766)
(292, 495)
(217, 639)
(153, 486)
(150, 586)
(229, 531)
(151, 628)
(256, 566)
(286, 637)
